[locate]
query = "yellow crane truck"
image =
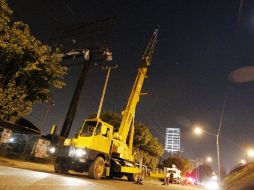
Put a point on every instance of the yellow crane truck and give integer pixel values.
(96, 148)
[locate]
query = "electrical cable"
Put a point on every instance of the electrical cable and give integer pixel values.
(239, 14)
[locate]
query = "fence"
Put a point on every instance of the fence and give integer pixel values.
(22, 142)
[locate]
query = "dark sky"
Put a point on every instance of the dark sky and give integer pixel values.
(199, 44)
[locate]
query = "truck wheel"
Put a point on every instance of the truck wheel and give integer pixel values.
(60, 168)
(118, 175)
(132, 177)
(3, 150)
(96, 170)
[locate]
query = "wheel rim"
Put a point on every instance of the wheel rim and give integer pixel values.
(99, 168)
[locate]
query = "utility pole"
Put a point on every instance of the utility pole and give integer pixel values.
(90, 57)
(104, 88)
(45, 115)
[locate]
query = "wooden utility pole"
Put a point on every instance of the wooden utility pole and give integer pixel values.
(104, 88)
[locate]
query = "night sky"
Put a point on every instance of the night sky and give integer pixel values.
(199, 44)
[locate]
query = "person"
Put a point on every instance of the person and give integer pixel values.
(139, 179)
(166, 179)
(171, 176)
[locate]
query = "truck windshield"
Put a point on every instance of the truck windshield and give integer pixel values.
(88, 128)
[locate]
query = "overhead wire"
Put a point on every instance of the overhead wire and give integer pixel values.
(240, 8)
(71, 10)
(50, 13)
(148, 116)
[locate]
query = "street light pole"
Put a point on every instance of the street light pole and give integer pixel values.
(199, 131)
(218, 155)
(218, 138)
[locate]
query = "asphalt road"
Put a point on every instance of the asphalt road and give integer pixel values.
(22, 179)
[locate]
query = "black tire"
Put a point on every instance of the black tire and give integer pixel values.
(111, 176)
(118, 175)
(97, 168)
(3, 151)
(60, 167)
(132, 177)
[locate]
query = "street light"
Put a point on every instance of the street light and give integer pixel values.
(242, 161)
(198, 130)
(250, 152)
(209, 159)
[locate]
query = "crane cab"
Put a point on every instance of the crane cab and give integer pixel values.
(88, 150)
(95, 135)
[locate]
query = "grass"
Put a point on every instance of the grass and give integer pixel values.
(27, 165)
(240, 178)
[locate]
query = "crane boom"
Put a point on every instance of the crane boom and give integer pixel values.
(127, 123)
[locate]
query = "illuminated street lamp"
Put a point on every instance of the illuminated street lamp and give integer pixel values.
(209, 159)
(250, 152)
(242, 161)
(198, 130)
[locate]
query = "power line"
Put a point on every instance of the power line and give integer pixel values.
(71, 10)
(239, 14)
(50, 13)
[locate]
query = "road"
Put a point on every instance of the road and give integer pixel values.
(23, 179)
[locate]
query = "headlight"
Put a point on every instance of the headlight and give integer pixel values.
(77, 152)
(11, 139)
(80, 152)
(212, 185)
(52, 150)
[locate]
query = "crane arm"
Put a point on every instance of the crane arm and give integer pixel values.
(129, 113)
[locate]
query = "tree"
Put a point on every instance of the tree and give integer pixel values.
(28, 69)
(146, 146)
(142, 135)
(203, 172)
(112, 118)
(182, 164)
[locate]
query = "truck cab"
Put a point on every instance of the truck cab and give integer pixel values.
(91, 143)
(95, 135)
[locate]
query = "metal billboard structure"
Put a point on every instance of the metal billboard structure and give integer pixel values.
(87, 43)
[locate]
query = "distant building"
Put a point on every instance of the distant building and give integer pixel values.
(173, 140)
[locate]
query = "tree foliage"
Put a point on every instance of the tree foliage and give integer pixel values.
(182, 164)
(28, 68)
(146, 146)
